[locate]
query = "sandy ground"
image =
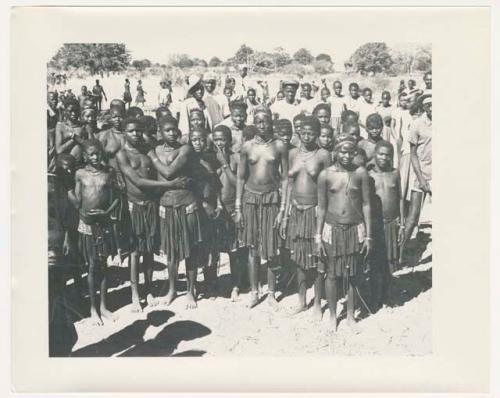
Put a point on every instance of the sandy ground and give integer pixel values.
(223, 328)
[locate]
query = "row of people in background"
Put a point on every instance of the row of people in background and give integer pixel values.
(322, 189)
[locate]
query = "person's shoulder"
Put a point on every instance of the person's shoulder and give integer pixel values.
(80, 172)
(361, 171)
(280, 145)
(246, 145)
(324, 153)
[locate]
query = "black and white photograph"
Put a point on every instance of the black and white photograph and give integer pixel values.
(254, 198)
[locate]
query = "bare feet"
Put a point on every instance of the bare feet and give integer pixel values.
(271, 300)
(333, 322)
(235, 294)
(151, 301)
(352, 325)
(317, 313)
(95, 318)
(108, 315)
(172, 294)
(254, 299)
(301, 307)
(136, 306)
(190, 302)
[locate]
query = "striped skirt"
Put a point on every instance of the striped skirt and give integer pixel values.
(144, 226)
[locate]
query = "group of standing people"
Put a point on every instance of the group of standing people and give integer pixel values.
(329, 186)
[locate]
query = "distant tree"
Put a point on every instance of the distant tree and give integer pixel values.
(281, 57)
(93, 57)
(243, 54)
(324, 57)
(214, 62)
(142, 64)
(423, 58)
(410, 57)
(303, 56)
(371, 57)
(323, 67)
(200, 62)
(181, 61)
(262, 60)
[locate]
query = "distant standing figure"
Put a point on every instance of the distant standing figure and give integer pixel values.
(139, 99)
(127, 96)
(98, 93)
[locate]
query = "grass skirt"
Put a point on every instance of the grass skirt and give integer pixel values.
(144, 226)
(300, 236)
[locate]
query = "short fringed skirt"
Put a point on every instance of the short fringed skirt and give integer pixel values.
(342, 244)
(300, 236)
(181, 231)
(259, 211)
(144, 226)
(226, 231)
(96, 243)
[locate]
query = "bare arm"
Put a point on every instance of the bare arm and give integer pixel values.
(367, 209)
(61, 146)
(322, 202)
(240, 177)
(132, 176)
(291, 157)
(75, 196)
(232, 169)
(416, 166)
(169, 171)
(284, 172)
(401, 199)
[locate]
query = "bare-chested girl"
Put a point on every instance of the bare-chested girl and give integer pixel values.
(142, 193)
(343, 223)
(306, 162)
(259, 206)
(88, 119)
(95, 196)
(181, 214)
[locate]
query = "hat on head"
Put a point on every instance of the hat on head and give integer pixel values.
(345, 140)
(193, 80)
(293, 83)
(425, 99)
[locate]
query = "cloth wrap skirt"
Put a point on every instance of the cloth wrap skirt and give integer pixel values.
(182, 230)
(300, 235)
(342, 244)
(259, 210)
(144, 226)
(96, 242)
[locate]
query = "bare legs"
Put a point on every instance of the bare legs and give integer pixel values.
(332, 296)
(235, 266)
(96, 272)
(411, 220)
(253, 276)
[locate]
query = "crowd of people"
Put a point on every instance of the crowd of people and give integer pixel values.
(309, 179)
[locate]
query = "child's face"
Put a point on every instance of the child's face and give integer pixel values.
(297, 126)
(383, 158)
(367, 95)
(198, 93)
(386, 98)
(84, 89)
(325, 94)
(325, 138)
(198, 141)
(89, 117)
(280, 96)
(337, 87)
(290, 92)
(403, 102)
(66, 168)
(306, 90)
(428, 109)
(354, 131)
(428, 81)
(197, 119)
(169, 132)
(374, 131)
(228, 92)
(285, 135)
(308, 135)
(220, 140)
(93, 156)
(133, 134)
(72, 113)
(239, 117)
(251, 95)
(116, 118)
(354, 91)
(323, 116)
(52, 100)
(411, 84)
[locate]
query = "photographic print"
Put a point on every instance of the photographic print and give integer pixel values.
(261, 199)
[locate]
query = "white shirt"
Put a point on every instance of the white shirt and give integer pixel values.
(338, 104)
(365, 110)
(285, 110)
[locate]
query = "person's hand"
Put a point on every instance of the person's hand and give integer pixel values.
(401, 234)
(367, 248)
(320, 248)
(66, 246)
(218, 211)
(209, 209)
(181, 182)
(283, 227)
(238, 219)
(96, 212)
(278, 219)
(219, 153)
(426, 187)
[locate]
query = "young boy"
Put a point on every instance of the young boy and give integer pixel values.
(338, 106)
(88, 119)
(96, 195)
(299, 224)
(326, 138)
(366, 105)
(374, 126)
(236, 123)
(387, 183)
(181, 213)
(283, 130)
(69, 134)
(297, 125)
(150, 130)
(344, 232)
(227, 236)
(323, 112)
(141, 187)
(352, 102)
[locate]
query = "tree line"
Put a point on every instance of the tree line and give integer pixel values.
(369, 58)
